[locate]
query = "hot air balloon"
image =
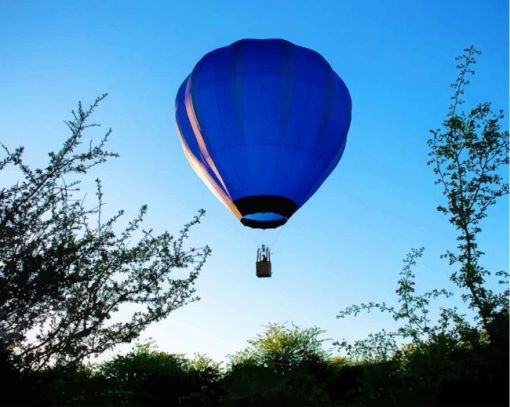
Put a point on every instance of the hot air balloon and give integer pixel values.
(263, 123)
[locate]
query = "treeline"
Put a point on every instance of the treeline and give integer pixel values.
(283, 366)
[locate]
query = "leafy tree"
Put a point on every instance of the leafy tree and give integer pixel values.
(148, 376)
(144, 376)
(207, 378)
(65, 271)
(468, 155)
(285, 365)
(412, 312)
(281, 347)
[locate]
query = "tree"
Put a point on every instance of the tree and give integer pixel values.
(148, 376)
(412, 313)
(468, 155)
(281, 347)
(285, 365)
(65, 271)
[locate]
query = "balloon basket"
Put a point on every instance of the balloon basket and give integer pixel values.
(263, 269)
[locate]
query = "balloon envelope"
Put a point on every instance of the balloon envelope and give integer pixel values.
(263, 123)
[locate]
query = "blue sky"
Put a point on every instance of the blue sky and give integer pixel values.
(347, 243)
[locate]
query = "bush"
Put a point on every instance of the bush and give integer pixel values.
(147, 376)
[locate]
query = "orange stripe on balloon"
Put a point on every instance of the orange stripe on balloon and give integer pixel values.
(190, 110)
(204, 175)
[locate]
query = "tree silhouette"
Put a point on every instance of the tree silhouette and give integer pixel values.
(65, 271)
(468, 155)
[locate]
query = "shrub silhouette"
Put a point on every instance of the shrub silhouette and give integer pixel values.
(442, 372)
(282, 366)
(147, 376)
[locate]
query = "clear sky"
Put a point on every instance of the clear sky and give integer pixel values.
(347, 243)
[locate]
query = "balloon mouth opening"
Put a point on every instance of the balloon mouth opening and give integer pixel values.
(263, 220)
(265, 211)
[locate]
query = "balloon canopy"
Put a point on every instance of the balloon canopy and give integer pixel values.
(263, 123)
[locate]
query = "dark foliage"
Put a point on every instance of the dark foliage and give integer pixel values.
(65, 271)
(150, 377)
(439, 373)
(453, 360)
(468, 155)
(282, 366)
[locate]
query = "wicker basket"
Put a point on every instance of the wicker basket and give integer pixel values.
(264, 268)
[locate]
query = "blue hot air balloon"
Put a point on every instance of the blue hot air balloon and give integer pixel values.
(263, 123)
